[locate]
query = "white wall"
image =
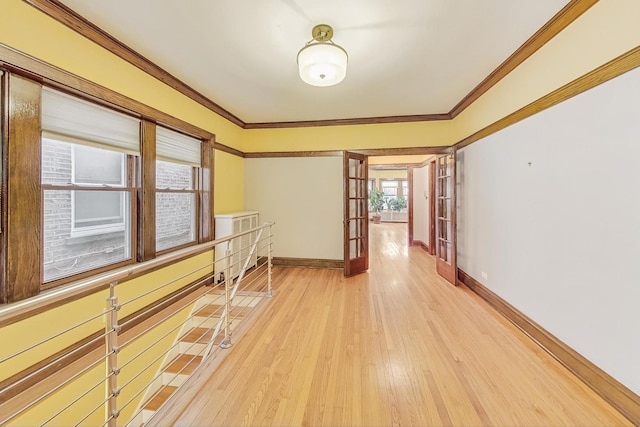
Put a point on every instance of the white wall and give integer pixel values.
(304, 197)
(421, 204)
(379, 174)
(550, 211)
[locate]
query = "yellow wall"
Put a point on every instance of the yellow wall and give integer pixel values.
(137, 372)
(421, 134)
(25, 29)
(130, 295)
(28, 30)
(229, 183)
(604, 32)
(50, 322)
(607, 30)
(57, 402)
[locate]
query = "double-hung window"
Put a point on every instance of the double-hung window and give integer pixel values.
(178, 160)
(88, 155)
(394, 188)
(390, 189)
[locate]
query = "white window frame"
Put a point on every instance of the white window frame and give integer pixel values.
(97, 229)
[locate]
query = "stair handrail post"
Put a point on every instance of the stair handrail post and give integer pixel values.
(112, 330)
(269, 263)
(226, 343)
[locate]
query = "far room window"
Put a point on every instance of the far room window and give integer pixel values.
(390, 190)
(394, 188)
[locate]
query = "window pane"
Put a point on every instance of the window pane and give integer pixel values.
(174, 176)
(69, 249)
(97, 208)
(97, 166)
(175, 219)
(389, 187)
(56, 162)
(64, 163)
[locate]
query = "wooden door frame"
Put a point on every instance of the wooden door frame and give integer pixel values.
(433, 151)
(429, 246)
(432, 207)
(410, 203)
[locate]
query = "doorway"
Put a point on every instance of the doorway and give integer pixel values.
(402, 205)
(418, 193)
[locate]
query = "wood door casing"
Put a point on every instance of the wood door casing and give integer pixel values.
(446, 216)
(356, 214)
(432, 207)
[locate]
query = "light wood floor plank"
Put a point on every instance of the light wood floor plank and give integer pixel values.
(394, 346)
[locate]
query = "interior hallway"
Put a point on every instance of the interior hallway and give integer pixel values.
(395, 346)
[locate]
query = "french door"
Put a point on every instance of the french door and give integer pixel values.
(446, 216)
(356, 214)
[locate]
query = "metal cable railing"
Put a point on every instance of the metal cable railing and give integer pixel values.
(165, 285)
(126, 387)
(227, 317)
(52, 363)
(56, 335)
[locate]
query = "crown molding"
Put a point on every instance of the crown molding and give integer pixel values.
(33, 68)
(47, 74)
(561, 20)
(273, 154)
(354, 121)
(229, 150)
(71, 19)
(398, 151)
(617, 66)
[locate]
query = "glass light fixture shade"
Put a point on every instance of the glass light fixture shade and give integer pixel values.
(322, 64)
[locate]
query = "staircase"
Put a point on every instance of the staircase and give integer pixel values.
(189, 349)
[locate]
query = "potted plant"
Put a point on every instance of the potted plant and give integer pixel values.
(397, 203)
(376, 201)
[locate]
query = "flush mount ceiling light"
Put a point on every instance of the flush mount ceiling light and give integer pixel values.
(321, 62)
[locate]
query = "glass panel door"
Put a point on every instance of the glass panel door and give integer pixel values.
(356, 214)
(446, 216)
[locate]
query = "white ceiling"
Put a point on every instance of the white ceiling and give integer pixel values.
(406, 57)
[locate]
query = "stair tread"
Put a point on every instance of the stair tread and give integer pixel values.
(213, 311)
(239, 312)
(210, 309)
(159, 398)
(184, 364)
(197, 335)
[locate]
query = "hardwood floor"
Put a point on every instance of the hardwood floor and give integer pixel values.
(394, 346)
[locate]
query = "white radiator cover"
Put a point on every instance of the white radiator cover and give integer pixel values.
(233, 223)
